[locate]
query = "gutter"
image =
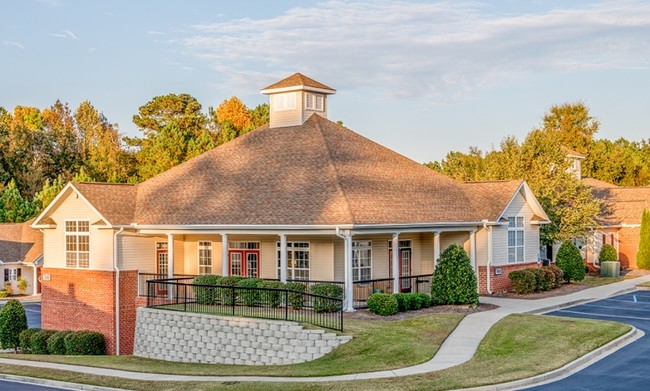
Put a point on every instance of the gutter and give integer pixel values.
(117, 293)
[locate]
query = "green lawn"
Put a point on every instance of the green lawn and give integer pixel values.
(517, 347)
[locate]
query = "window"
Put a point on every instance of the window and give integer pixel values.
(515, 239)
(285, 101)
(205, 257)
(77, 244)
(12, 274)
(361, 260)
(314, 102)
(297, 260)
(244, 258)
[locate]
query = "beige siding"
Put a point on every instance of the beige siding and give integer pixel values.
(101, 239)
(518, 207)
(449, 238)
(286, 117)
(426, 254)
(138, 252)
(482, 247)
(191, 256)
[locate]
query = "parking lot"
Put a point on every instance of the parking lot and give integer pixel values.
(33, 312)
(625, 369)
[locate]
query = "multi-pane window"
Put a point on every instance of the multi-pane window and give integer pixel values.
(77, 244)
(297, 260)
(286, 101)
(314, 102)
(361, 260)
(515, 239)
(12, 274)
(205, 257)
(244, 258)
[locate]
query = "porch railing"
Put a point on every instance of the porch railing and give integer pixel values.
(411, 284)
(144, 277)
(180, 294)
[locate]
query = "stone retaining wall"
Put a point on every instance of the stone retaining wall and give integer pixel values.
(200, 338)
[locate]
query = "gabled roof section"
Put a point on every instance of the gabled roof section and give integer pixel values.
(491, 199)
(597, 183)
(298, 81)
(622, 205)
(20, 243)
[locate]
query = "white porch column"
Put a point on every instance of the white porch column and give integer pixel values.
(436, 248)
(396, 265)
(348, 303)
(472, 254)
(35, 283)
(224, 255)
(170, 256)
(283, 258)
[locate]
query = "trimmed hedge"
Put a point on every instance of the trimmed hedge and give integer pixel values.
(249, 297)
(84, 343)
(402, 302)
(225, 295)
(297, 295)
(56, 342)
(607, 254)
(424, 299)
(12, 322)
(569, 259)
(523, 281)
(25, 339)
(557, 273)
(383, 304)
(38, 341)
(269, 297)
(205, 295)
(329, 290)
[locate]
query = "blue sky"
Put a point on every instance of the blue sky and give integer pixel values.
(422, 78)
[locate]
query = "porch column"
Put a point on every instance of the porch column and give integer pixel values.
(472, 254)
(396, 264)
(224, 255)
(348, 297)
(436, 248)
(170, 256)
(283, 257)
(35, 283)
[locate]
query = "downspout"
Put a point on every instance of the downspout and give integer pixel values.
(117, 293)
(347, 268)
(489, 254)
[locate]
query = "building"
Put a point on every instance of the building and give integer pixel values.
(21, 255)
(301, 198)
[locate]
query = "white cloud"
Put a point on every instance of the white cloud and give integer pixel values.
(12, 43)
(65, 34)
(434, 50)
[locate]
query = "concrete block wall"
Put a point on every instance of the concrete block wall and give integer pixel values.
(200, 338)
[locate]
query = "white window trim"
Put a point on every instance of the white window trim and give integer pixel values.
(204, 245)
(315, 102)
(357, 248)
(290, 269)
(66, 234)
(285, 101)
(521, 230)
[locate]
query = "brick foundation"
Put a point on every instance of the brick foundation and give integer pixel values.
(75, 299)
(500, 283)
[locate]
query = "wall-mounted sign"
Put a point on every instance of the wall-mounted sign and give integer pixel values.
(46, 277)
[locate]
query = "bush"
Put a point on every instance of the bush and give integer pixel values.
(607, 254)
(56, 342)
(570, 261)
(3, 294)
(249, 297)
(425, 300)
(643, 255)
(12, 322)
(270, 296)
(297, 296)
(9, 288)
(22, 285)
(330, 290)
(558, 275)
(544, 280)
(25, 338)
(402, 302)
(523, 281)
(84, 343)
(205, 295)
(228, 296)
(38, 341)
(413, 301)
(383, 304)
(454, 281)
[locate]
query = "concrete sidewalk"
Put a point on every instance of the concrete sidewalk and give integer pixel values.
(458, 348)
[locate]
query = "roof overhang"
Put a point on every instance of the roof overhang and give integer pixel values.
(297, 88)
(68, 189)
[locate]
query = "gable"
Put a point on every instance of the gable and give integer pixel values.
(68, 205)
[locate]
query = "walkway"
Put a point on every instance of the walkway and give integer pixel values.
(458, 348)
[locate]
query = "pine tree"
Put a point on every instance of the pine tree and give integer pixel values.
(643, 256)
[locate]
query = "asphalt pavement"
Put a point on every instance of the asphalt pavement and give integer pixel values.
(6, 385)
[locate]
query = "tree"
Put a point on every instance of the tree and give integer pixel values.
(260, 115)
(12, 322)
(50, 190)
(570, 261)
(13, 207)
(643, 256)
(454, 281)
(234, 111)
(573, 125)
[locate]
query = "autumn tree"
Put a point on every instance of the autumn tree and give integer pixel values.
(234, 111)
(572, 124)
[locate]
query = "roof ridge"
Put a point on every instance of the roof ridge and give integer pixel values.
(330, 160)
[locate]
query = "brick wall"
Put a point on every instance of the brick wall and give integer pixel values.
(129, 302)
(628, 246)
(500, 283)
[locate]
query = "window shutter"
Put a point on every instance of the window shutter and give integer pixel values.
(6, 275)
(18, 273)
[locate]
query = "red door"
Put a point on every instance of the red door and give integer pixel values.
(244, 263)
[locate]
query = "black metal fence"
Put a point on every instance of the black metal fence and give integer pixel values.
(180, 294)
(363, 289)
(144, 277)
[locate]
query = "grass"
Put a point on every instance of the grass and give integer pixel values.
(375, 346)
(517, 347)
(594, 281)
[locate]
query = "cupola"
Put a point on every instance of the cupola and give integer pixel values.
(296, 98)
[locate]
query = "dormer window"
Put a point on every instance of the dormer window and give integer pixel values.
(314, 102)
(286, 101)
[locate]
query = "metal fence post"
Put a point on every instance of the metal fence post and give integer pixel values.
(286, 304)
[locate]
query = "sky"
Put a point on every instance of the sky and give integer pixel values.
(422, 78)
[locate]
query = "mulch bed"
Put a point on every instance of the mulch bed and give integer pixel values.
(564, 289)
(364, 314)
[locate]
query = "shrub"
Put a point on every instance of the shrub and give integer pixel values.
(607, 254)
(570, 261)
(557, 273)
(85, 343)
(402, 302)
(270, 296)
(249, 297)
(9, 288)
(296, 296)
(413, 301)
(56, 342)
(38, 341)
(523, 281)
(205, 295)
(228, 296)
(383, 304)
(643, 255)
(454, 281)
(25, 338)
(12, 322)
(544, 280)
(425, 300)
(22, 285)
(3, 294)
(322, 304)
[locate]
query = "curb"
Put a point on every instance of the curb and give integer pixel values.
(570, 368)
(55, 383)
(541, 311)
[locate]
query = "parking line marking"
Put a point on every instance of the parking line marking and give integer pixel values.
(634, 296)
(626, 301)
(604, 315)
(616, 308)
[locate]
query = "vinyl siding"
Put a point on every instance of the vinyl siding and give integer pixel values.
(138, 251)
(518, 207)
(286, 117)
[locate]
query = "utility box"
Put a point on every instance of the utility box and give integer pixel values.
(610, 269)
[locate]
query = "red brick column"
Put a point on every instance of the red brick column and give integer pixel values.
(128, 305)
(628, 246)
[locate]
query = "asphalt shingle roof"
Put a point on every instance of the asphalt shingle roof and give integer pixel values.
(19, 242)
